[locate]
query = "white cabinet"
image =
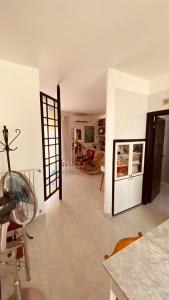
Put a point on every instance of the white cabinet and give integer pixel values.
(121, 195)
(136, 184)
(128, 174)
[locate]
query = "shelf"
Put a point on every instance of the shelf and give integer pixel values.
(120, 166)
(122, 175)
(128, 158)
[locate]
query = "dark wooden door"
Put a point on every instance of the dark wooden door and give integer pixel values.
(51, 142)
(158, 156)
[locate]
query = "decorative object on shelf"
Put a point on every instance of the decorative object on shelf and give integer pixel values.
(89, 134)
(101, 131)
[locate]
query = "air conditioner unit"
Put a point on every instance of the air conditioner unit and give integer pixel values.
(81, 119)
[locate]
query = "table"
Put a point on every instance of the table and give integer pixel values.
(141, 270)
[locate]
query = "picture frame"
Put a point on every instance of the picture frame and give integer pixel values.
(89, 134)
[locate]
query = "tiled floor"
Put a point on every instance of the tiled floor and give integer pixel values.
(161, 202)
(71, 239)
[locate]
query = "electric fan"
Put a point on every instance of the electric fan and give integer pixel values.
(18, 204)
(20, 190)
(17, 188)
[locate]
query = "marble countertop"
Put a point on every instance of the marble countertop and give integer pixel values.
(141, 270)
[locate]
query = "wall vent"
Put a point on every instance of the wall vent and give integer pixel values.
(165, 101)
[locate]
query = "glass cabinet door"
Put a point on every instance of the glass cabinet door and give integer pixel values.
(138, 158)
(122, 160)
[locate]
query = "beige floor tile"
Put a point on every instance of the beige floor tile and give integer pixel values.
(71, 239)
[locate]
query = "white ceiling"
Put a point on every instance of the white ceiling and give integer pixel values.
(74, 42)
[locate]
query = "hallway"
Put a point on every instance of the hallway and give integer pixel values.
(72, 238)
(161, 202)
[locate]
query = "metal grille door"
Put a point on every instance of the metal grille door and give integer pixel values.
(51, 142)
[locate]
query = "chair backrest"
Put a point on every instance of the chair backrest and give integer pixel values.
(90, 153)
(98, 158)
(3, 236)
(123, 243)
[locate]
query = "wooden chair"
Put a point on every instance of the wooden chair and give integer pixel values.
(79, 163)
(94, 167)
(121, 244)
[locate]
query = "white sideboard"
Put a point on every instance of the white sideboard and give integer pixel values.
(128, 174)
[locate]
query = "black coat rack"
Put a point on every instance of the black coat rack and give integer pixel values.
(7, 148)
(7, 144)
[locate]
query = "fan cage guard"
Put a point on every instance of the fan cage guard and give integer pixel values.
(26, 207)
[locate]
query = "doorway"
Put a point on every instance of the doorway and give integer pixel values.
(156, 177)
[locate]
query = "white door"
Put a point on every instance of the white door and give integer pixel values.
(136, 184)
(121, 195)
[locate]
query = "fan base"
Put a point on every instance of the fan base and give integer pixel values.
(30, 294)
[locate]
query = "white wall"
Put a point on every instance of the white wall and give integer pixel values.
(155, 101)
(127, 100)
(165, 165)
(159, 84)
(20, 108)
(158, 90)
(130, 117)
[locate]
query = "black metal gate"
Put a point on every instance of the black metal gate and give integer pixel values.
(51, 144)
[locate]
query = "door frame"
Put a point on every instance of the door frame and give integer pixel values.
(149, 153)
